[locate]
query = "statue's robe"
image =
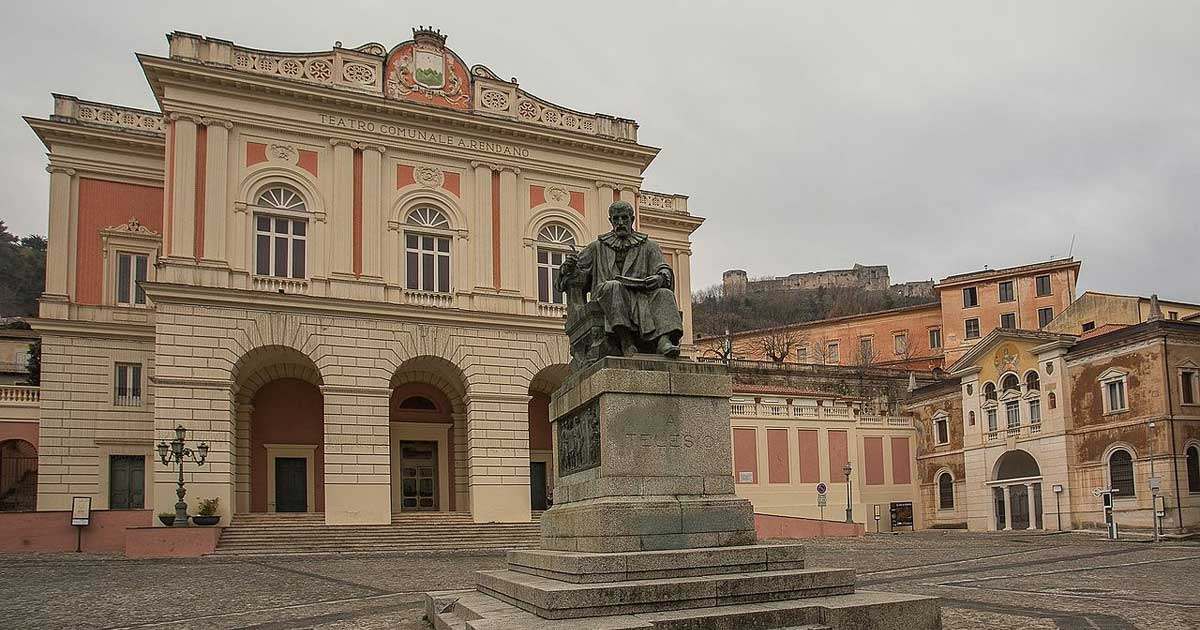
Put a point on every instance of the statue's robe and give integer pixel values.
(647, 314)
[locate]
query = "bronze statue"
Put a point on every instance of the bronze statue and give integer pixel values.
(632, 303)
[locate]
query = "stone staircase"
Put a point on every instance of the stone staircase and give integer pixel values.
(287, 534)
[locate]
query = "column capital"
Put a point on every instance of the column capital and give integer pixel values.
(378, 148)
(337, 142)
(603, 184)
(628, 188)
(491, 166)
(52, 169)
(216, 122)
(181, 116)
(509, 167)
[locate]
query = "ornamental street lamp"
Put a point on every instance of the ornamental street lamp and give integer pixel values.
(176, 453)
(849, 511)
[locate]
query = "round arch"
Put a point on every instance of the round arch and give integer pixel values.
(552, 214)
(428, 438)
(18, 475)
(407, 201)
(267, 175)
(943, 473)
(541, 460)
(1015, 464)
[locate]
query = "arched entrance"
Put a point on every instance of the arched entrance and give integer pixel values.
(18, 476)
(541, 445)
(280, 457)
(427, 424)
(1017, 491)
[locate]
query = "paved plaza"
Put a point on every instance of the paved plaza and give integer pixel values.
(1065, 581)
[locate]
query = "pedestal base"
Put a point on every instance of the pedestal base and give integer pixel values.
(742, 587)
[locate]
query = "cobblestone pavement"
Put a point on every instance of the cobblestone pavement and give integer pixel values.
(1065, 581)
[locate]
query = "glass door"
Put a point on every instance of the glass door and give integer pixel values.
(418, 476)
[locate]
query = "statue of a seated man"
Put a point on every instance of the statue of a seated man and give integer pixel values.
(629, 281)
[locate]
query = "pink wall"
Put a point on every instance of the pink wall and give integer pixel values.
(873, 452)
(901, 471)
(772, 526)
(838, 455)
(539, 422)
(52, 531)
(810, 454)
(745, 454)
(777, 456)
(171, 542)
(286, 411)
(107, 204)
(27, 431)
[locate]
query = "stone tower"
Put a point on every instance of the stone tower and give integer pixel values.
(733, 282)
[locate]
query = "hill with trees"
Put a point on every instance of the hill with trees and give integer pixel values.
(22, 272)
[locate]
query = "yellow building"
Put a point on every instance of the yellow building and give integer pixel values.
(333, 268)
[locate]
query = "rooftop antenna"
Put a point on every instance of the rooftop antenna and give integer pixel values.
(1071, 249)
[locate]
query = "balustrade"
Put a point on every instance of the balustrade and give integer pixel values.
(19, 395)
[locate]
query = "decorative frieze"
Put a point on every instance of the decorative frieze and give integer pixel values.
(123, 117)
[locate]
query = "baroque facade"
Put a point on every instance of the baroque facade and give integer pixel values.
(334, 268)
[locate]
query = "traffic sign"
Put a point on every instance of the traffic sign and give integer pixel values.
(822, 500)
(1096, 492)
(822, 489)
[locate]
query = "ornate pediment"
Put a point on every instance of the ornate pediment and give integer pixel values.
(131, 228)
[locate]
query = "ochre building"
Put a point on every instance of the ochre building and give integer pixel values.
(335, 268)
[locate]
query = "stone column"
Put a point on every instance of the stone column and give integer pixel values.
(683, 289)
(358, 468)
(1007, 509)
(59, 249)
(498, 456)
(241, 466)
(183, 188)
(510, 230)
(482, 232)
(372, 212)
(340, 243)
(216, 209)
(629, 193)
(1032, 513)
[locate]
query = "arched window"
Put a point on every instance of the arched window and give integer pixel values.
(971, 418)
(1010, 382)
(280, 232)
(989, 391)
(419, 403)
(945, 491)
(1193, 468)
(1032, 381)
(18, 476)
(1120, 473)
(554, 241)
(1051, 400)
(427, 250)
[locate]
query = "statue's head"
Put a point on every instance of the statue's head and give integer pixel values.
(620, 215)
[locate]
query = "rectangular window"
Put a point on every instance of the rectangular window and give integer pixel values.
(970, 297)
(1043, 285)
(1008, 320)
(935, 338)
(991, 420)
(280, 245)
(1035, 411)
(833, 356)
(1044, 316)
(1187, 383)
(942, 426)
(1007, 294)
(972, 328)
(1172, 314)
(131, 272)
(802, 354)
(900, 343)
(778, 465)
(866, 348)
(548, 262)
(427, 262)
(127, 385)
(1088, 326)
(1012, 414)
(1116, 395)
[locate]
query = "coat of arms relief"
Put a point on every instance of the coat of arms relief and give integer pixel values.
(424, 67)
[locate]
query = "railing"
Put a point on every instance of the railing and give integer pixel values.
(19, 395)
(549, 309)
(812, 412)
(1018, 431)
(127, 401)
(427, 298)
(281, 285)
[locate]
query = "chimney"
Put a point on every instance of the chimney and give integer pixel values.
(1155, 309)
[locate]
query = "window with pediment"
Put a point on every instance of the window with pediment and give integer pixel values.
(554, 242)
(427, 250)
(280, 233)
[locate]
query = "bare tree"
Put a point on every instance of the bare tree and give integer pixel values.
(778, 344)
(820, 353)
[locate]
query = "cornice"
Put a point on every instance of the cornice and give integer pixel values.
(80, 328)
(109, 138)
(164, 293)
(160, 70)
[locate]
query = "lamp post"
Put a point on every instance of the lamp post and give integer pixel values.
(176, 453)
(846, 470)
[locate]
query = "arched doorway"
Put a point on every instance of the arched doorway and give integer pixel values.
(18, 476)
(1017, 491)
(427, 424)
(280, 444)
(541, 442)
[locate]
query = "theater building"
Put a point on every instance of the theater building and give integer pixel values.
(334, 268)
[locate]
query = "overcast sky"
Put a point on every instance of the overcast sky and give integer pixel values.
(933, 137)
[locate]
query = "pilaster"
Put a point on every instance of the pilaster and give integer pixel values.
(683, 290)
(498, 457)
(482, 220)
(340, 243)
(357, 455)
(1032, 513)
(1007, 509)
(604, 195)
(510, 230)
(183, 187)
(216, 190)
(59, 249)
(372, 212)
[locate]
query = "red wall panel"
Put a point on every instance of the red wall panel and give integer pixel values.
(745, 455)
(105, 204)
(777, 456)
(873, 452)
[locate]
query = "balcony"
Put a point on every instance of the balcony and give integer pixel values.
(806, 412)
(19, 395)
(1017, 432)
(276, 284)
(427, 298)
(548, 309)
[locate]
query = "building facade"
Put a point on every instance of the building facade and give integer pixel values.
(334, 268)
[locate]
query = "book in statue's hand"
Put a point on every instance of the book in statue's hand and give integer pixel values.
(637, 283)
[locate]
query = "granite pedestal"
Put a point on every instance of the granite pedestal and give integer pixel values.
(646, 531)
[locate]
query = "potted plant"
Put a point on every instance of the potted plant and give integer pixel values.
(206, 514)
(166, 518)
